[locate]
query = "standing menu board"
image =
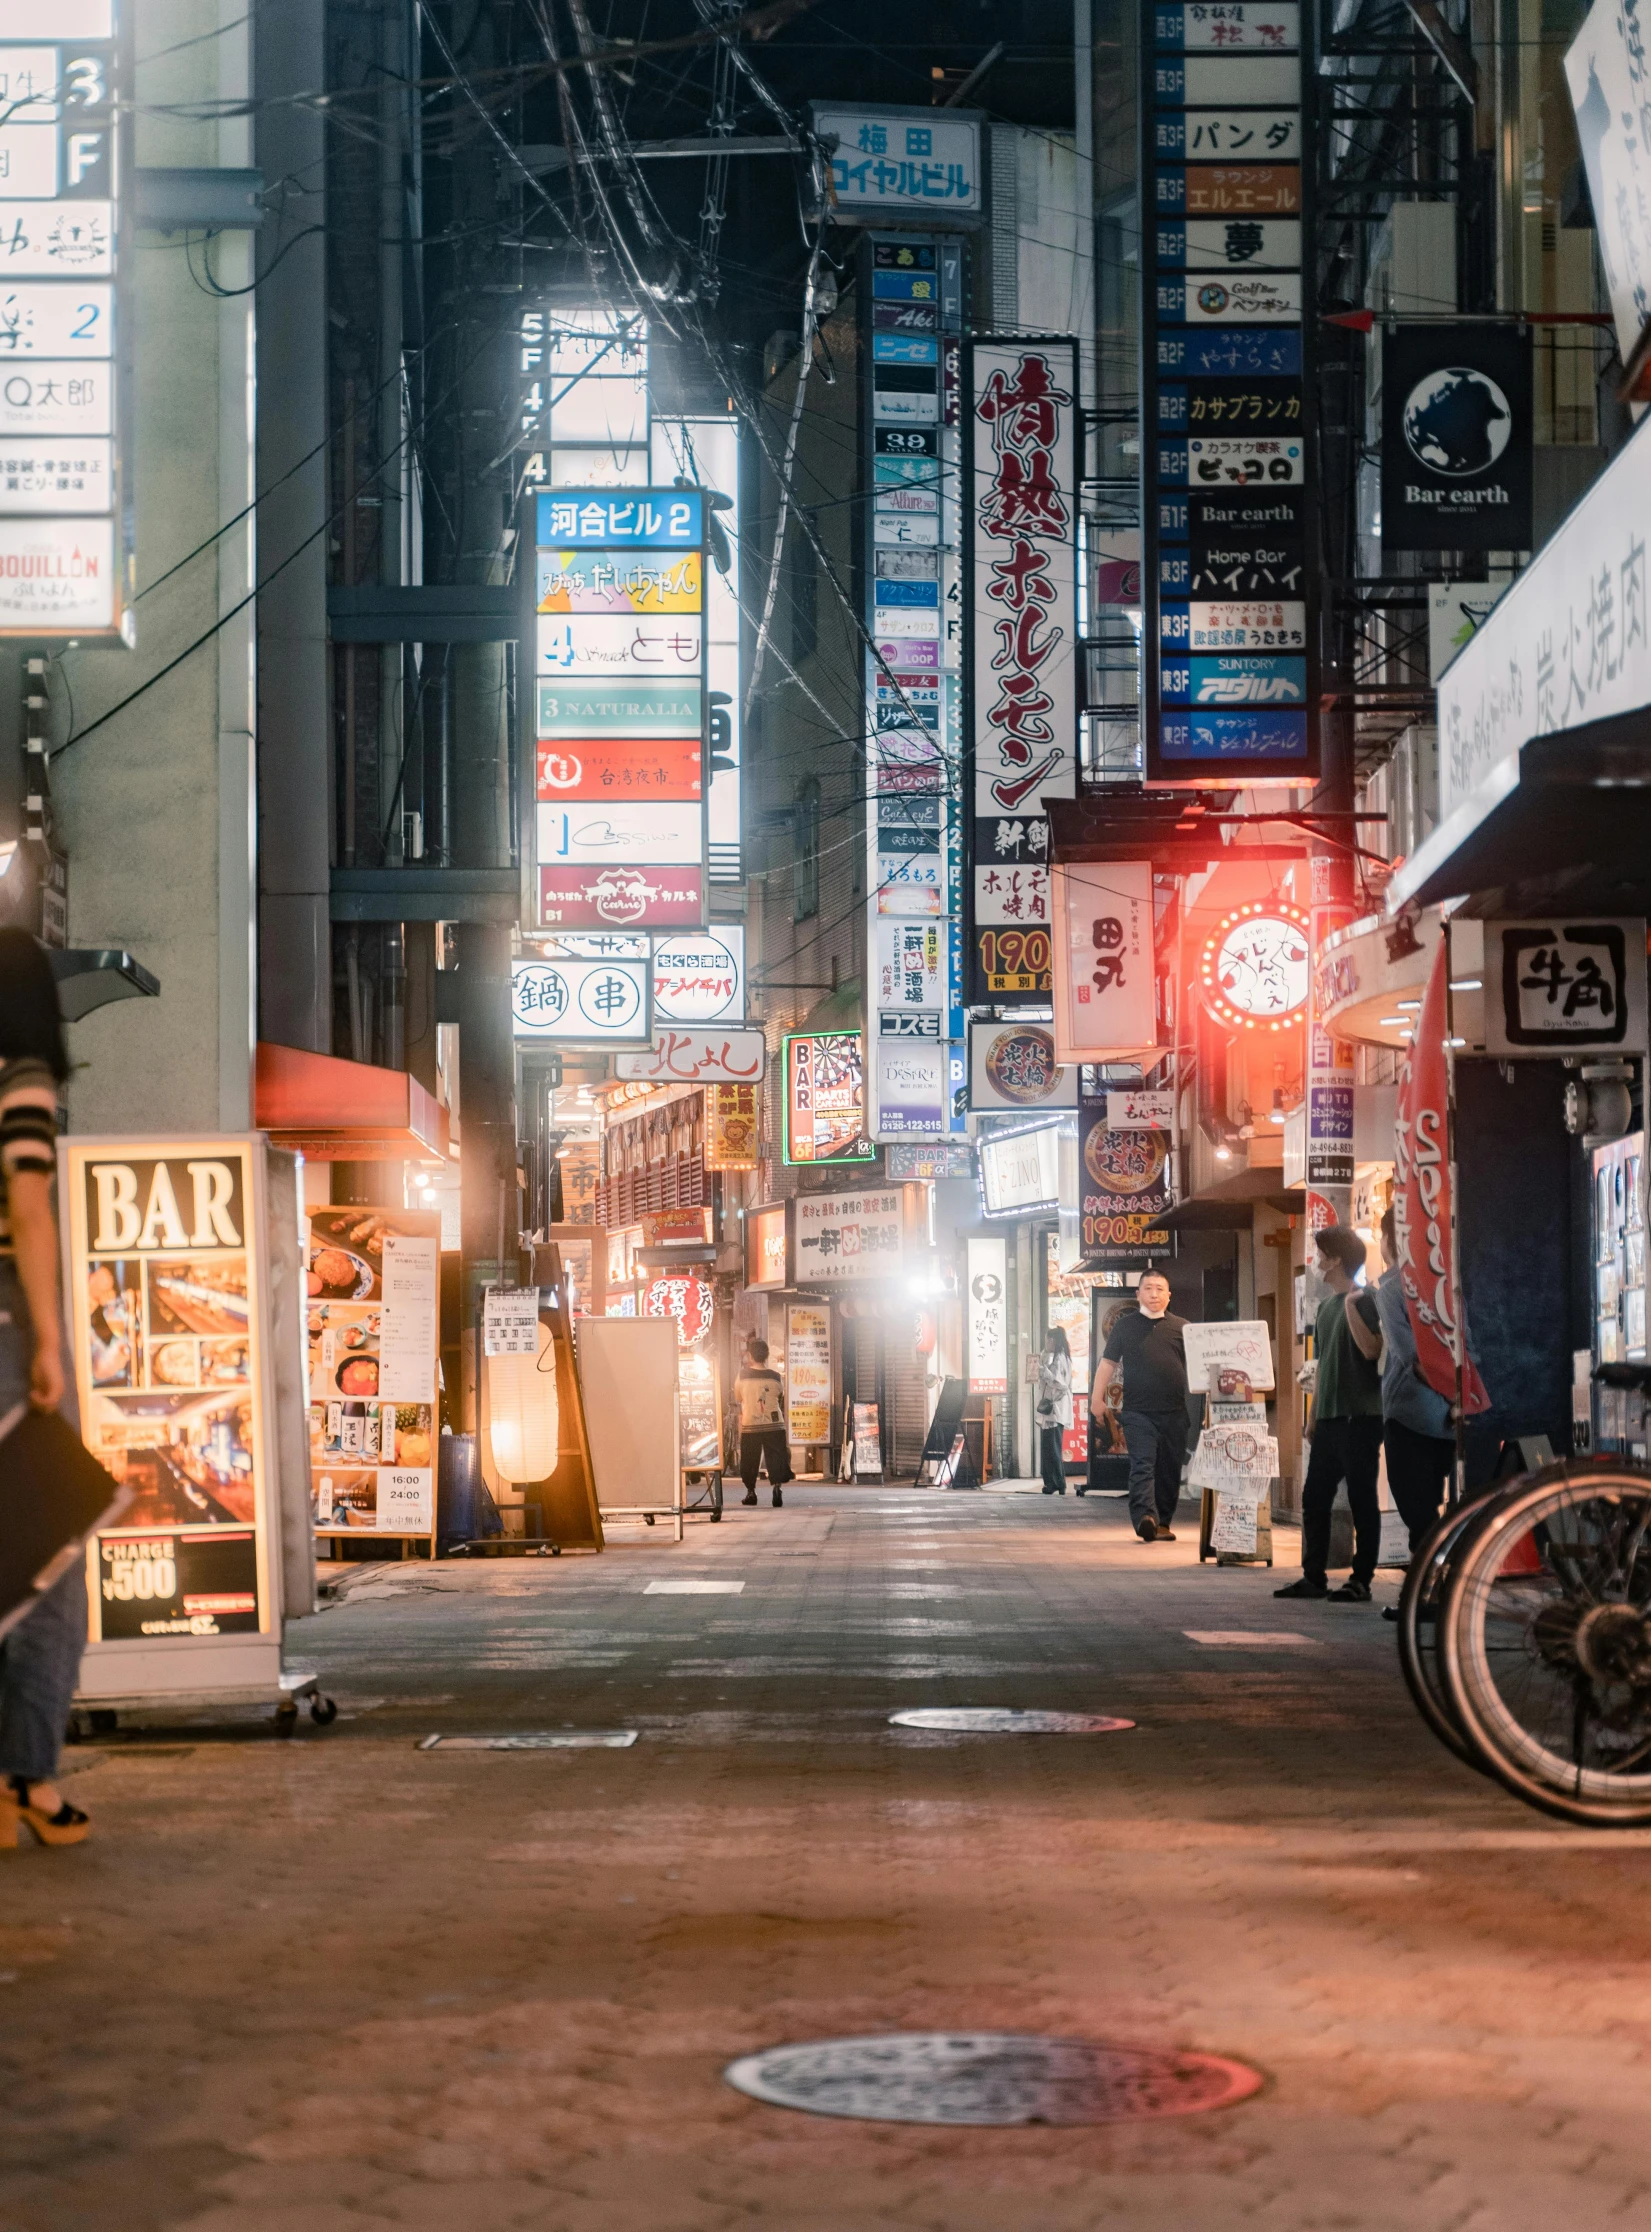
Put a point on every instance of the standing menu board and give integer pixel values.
(808, 1373)
(373, 1312)
(168, 1283)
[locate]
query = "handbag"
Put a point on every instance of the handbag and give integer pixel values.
(54, 1495)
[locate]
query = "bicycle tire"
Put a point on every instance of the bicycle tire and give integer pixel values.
(1425, 1582)
(1521, 1761)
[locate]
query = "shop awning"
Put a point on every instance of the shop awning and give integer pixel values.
(336, 1111)
(1566, 815)
(1228, 1205)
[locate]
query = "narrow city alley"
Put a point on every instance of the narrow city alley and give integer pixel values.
(341, 1982)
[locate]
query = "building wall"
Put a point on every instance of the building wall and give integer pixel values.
(155, 810)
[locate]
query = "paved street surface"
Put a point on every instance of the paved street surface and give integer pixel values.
(339, 1983)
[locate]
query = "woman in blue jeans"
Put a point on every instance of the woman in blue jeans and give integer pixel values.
(40, 1657)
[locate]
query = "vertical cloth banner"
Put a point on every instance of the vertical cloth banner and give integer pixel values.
(1423, 1204)
(987, 1317)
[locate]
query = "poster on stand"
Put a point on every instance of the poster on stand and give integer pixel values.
(169, 1305)
(373, 1304)
(808, 1373)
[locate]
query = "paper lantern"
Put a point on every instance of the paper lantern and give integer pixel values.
(523, 1416)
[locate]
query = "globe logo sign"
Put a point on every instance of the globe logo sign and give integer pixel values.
(1457, 421)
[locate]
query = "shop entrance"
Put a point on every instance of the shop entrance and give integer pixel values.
(881, 1365)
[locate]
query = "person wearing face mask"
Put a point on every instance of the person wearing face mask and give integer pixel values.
(1347, 1427)
(1148, 1344)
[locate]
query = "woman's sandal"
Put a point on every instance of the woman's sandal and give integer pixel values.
(68, 1826)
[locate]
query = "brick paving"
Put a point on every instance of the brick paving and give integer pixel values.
(337, 1984)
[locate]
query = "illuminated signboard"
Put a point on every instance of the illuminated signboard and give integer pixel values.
(581, 1003)
(65, 556)
(825, 1098)
(619, 704)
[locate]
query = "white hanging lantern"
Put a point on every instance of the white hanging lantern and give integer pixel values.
(523, 1416)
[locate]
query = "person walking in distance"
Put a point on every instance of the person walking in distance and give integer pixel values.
(40, 1658)
(761, 1398)
(1148, 1344)
(1347, 1429)
(1416, 1418)
(1054, 1409)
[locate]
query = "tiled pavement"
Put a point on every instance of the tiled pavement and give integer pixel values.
(340, 1984)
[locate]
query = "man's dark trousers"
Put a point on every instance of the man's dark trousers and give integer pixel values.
(1418, 1465)
(772, 1444)
(1157, 1445)
(1343, 1449)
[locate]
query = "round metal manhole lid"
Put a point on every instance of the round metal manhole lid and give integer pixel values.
(989, 2077)
(1006, 1720)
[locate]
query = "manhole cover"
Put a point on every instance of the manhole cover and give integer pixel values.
(989, 2077)
(550, 1739)
(1005, 1720)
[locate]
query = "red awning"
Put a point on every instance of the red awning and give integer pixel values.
(336, 1111)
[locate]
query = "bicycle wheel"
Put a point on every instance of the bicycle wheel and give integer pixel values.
(1425, 1582)
(1544, 1642)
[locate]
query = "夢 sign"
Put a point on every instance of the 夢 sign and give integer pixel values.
(581, 1003)
(986, 1316)
(1022, 562)
(1565, 985)
(843, 1238)
(825, 1097)
(1457, 437)
(897, 165)
(1105, 982)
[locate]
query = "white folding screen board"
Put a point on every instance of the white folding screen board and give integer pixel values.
(627, 1369)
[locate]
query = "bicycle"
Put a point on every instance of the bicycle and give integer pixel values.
(1535, 1665)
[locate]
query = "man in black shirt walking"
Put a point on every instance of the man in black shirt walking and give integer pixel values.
(1147, 1342)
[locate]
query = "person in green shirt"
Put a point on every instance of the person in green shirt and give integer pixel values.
(1347, 1431)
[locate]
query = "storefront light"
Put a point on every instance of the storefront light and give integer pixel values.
(1467, 984)
(523, 1415)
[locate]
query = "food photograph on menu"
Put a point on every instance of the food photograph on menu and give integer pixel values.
(373, 1280)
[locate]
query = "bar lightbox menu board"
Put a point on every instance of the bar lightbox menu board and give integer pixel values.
(374, 1278)
(1229, 651)
(170, 1318)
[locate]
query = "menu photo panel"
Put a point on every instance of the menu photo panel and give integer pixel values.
(169, 1318)
(373, 1280)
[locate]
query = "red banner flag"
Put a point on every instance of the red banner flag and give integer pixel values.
(1422, 1202)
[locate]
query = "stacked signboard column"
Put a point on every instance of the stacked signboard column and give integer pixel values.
(65, 518)
(913, 708)
(1229, 654)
